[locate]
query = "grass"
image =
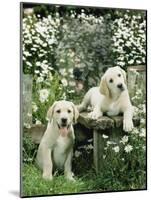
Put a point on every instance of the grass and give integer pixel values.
(86, 181)
(33, 184)
(117, 175)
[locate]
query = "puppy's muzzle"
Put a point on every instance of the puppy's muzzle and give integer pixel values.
(64, 127)
(120, 86)
(64, 121)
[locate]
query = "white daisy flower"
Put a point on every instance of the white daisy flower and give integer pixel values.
(142, 133)
(116, 149)
(77, 154)
(38, 122)
(29, 114)
(64, 82)
(34, 107)
(124, 139)
(27, 125)
(39, 79)
(105, 136)
(43, 95)
(110, 142)
(128, 148)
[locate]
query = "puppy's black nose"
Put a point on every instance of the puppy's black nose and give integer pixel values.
(120, 85)
(64, 120)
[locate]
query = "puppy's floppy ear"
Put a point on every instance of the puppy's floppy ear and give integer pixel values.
(104, 88)
(123, 73)
(51, 111)
(75, 113)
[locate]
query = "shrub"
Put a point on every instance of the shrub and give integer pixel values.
(85, 44)
(29, 150)
(83, 40)
(129, 37)
(39, 42)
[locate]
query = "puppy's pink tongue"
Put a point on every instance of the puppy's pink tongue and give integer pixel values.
(64, 131)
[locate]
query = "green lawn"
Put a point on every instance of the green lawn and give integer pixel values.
(86, 181)
(33, 184)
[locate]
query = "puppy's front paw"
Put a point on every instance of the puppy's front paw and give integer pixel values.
(95, 115)
(47, 177)
(69, 177)
(127, 125)
(112, 113)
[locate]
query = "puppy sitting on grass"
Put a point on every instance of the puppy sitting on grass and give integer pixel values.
(111, 97)
(56, 146)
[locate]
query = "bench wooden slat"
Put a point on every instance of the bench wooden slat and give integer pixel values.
(102, 123)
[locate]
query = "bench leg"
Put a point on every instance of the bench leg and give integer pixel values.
(98, 144)
(98, 149)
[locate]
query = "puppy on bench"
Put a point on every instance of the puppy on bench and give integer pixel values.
(111, 97)
(56, 146)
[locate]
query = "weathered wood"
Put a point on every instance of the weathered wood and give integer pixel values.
(101, 123)
(136, 79)
(98, 148)
(104, 122)
(110, 126)
(27, 100)
(36, 132)
(118, 121)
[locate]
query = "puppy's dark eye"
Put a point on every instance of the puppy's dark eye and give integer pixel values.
(69, 111)
(119, 75)
(58, 111)
(111, 80)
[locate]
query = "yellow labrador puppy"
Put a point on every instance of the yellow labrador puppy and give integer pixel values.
(56, 146)
(111, 97)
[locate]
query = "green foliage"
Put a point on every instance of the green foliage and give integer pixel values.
(85, 38)
(39, 42)
(85, 43)
(45, 91)
(129, 38)
(29, 150)
(52, 47)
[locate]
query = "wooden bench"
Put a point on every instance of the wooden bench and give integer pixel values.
(110, 126)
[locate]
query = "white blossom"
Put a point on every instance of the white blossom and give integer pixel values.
(64, 82)
(28, 63)
(77, 154)
(27, 125)
(38, 122)
(29, 114)
(105, 136)
(124, 139)
(116, 149)
(38, 63)
(135, 131)
(34, 107)
(142, 120)
(39, 79)
(43, 95)
(110, 143)
(90, 146)
(142, 132)
(128, 148)
(63, 71)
